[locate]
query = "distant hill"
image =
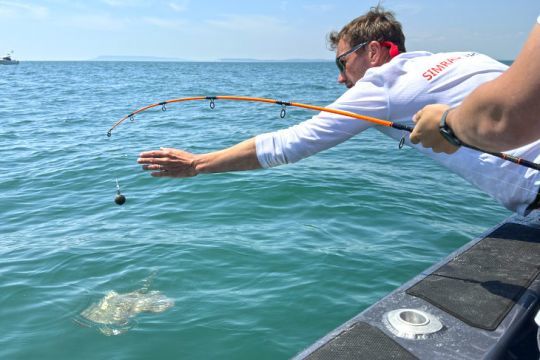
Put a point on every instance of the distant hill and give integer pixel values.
(134, 58)
(262, 60)
(157, 58)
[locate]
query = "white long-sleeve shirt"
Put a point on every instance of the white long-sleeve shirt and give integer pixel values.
(396, 91)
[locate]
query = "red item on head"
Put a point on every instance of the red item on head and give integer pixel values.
(394, 51)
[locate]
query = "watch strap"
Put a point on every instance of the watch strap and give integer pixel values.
(447, 132)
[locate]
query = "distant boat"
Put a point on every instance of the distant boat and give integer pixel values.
(7, 60)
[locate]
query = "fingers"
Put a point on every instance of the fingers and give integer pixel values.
(154, 167)
(168, 162)
(152, 153)
(161, 157)
(161, 174)
(172, 173)
(157, 170)
(160, 171)
(450, 149)
(158, 161)
(165, 154)
(416, 117)
(414, 137)
(170, 169)
(426, 131)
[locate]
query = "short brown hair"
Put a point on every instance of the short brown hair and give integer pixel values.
(376, 25)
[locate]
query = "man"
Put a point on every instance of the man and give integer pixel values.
(384, 82)
(500, 115)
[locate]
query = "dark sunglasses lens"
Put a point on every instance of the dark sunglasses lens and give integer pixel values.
(340, 65)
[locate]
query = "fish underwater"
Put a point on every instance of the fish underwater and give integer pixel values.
(114, 314)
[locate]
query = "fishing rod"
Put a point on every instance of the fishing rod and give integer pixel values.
(284, 104)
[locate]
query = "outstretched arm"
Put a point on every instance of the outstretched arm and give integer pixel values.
(168, 162)
(499, 115)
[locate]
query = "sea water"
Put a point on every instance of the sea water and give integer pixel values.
(258, 264)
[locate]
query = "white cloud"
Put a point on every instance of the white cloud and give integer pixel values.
(12, 9)
(179, 6)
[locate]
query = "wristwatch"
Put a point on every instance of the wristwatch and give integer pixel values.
(446, 132)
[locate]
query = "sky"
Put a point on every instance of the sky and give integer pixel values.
(208, 30)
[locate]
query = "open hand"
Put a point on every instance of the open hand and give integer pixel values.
(168, 162)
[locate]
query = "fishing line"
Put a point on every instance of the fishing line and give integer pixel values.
(283, 112)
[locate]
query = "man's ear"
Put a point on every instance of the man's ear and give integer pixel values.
(377, 54)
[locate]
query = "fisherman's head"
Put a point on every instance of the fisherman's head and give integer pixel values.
(370, 40)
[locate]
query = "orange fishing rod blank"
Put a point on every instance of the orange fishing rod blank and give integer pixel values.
(257, 99)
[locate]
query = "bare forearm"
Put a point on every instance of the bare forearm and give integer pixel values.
(482, 119)
(489, 121)
(242, 156)
(503, 114)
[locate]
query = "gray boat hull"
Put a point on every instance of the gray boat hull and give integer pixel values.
(511, 336)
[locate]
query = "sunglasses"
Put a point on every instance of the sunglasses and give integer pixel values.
(339, 60)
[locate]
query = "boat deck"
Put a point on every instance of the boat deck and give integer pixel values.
(484, 297)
